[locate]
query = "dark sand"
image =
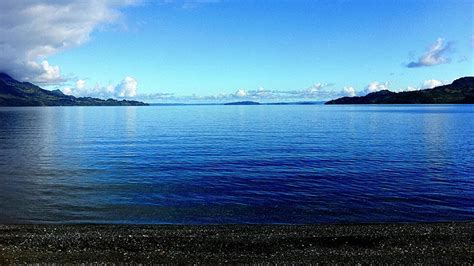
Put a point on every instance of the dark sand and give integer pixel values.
(377, 243)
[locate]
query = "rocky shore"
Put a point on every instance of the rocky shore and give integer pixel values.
(438, 243)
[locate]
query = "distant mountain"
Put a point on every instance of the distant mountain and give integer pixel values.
(243, 103)
(460, 91)
(16, 93)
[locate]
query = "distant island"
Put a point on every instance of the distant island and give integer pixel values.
(243, 103)
(461, 91)
(16, 93)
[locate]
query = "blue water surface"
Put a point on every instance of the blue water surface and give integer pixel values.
(237, 164)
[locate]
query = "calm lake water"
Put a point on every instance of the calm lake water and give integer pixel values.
(237, 164)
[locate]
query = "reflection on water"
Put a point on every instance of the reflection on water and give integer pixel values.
(237, 164)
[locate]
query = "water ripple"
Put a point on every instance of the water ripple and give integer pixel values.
(237, 164)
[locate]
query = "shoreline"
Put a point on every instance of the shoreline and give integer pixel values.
(331, 243)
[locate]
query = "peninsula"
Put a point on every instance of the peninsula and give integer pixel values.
(461, 91)
(16, 93)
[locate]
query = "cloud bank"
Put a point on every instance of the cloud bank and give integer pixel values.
(33, 30)
(315, 92)
(127, 88)
(435, 55)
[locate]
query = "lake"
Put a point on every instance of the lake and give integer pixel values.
(237, 164)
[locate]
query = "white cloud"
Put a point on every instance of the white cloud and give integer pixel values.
(260, 93)
(127, 88)
(68, 91)
(80, 84)
(427, 84)
(376, 86)
(431, 83)
(435, 55)
(33, 30)
(349, 91)
(44, 72)
(313, 90)
(315, 87)
(240, 93)
(319, 91)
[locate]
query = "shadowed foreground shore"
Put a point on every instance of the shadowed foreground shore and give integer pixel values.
(393, 243)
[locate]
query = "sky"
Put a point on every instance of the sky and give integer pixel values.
(215, 51)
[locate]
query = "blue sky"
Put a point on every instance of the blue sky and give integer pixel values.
(266, 50)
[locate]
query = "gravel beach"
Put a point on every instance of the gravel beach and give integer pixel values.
(366, 243)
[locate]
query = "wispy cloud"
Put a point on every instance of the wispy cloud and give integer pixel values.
(192, 4)
(437, 54)
(463, 59)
